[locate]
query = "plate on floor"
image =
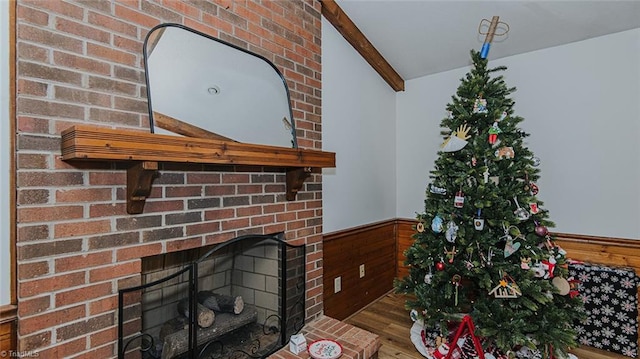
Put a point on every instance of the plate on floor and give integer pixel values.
(325, 349)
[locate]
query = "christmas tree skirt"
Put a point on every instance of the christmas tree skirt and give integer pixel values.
(416, 338)
(426, 344)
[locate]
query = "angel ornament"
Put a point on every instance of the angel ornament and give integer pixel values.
(457, 140)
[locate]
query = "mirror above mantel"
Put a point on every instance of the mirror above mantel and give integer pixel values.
(195, 118)
(215, 86)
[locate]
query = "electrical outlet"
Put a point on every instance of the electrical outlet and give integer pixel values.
(337, 284)
(361, 270)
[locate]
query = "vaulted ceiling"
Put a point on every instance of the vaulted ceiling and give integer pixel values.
(422, 37)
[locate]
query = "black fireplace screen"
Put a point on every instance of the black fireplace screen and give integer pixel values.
(242, 299)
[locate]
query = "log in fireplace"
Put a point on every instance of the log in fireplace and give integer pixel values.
(243, 298)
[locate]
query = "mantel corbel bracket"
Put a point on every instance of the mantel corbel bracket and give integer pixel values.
(140, 177)
(295, 180)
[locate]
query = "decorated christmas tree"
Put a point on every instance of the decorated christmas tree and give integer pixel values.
(482, 245)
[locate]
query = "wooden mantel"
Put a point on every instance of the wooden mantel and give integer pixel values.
(145, 150)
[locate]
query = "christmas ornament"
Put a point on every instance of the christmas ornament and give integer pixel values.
(561, 251)
(457, 140)
(506, 289)
(437, 190)
(458, 201)
(538, 270)
(505, 152)
(413, 315)
(452, 231)
(536, 161)
(474, 161)
(507, 237)
(520, 212)
(485, 261)
(471, 182)
(451, 254)
(550, 266)
(573, 287)
(440, 266)
(490, 257)
(480, 105)
(562, 285)
(420, 227)
(547, 243)
(534, 188)
(485, 175)
(478, 222)
(503, 115)
(468, 263)
(533, 208)
(436, 224)
(493, 133)
(455, 280)
(428, 277)
(524, 263)
(511, 247)
(442, 351)
(541, 230)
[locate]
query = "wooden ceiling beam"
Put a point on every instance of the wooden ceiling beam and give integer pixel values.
(339, 19)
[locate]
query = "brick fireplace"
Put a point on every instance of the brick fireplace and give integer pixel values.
(81, 62)
(243, 296)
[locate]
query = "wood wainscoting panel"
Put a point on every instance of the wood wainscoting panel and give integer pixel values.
(601, 250)
(8, 337)
(373, 245)
(405, 230)
(8, 319)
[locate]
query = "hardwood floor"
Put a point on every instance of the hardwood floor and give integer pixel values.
(388, 318)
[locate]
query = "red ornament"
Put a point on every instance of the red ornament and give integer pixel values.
(440, 266)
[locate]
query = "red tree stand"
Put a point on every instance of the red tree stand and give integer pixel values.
(466, 326)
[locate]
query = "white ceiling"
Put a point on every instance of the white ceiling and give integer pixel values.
(423, 37)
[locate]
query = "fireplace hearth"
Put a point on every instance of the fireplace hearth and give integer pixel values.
(240, 299)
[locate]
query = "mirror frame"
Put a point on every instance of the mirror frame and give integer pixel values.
(294, 140)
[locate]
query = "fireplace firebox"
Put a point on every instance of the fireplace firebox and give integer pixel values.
(240, 299)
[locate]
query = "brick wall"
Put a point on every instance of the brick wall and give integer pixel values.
(81, 62)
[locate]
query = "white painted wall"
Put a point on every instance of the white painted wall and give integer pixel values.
(5, 263)
(581, 104)
(358, 123)
(420, 108)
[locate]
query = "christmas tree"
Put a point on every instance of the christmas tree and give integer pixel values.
(482, 245)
